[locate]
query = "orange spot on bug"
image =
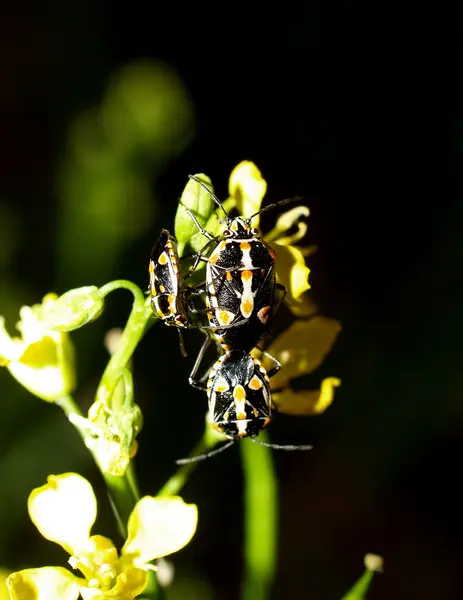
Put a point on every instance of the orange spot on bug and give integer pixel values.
(239, 393)
(255, 383)
(241, 416)
(224, 317)
(244, 246)
(171, 300)
(221, 385)
(246, 307)
(246, 275)
(264, 314)
(229, 276)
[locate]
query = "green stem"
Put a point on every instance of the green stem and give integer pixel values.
(260, 521)
(360, 588)
(130, 338)
(153, 591)
(123, 490)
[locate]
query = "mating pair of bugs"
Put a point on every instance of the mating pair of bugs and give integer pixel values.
(240, 287)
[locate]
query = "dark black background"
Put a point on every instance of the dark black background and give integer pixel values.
(334, 102)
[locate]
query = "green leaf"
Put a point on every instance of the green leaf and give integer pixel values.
(200, 202)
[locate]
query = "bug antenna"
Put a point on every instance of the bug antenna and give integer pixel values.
(187, 461)
(275, 205)
(279, 446)
(213, 196)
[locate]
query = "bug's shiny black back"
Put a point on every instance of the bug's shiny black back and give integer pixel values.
(239, 395)
(166, 282)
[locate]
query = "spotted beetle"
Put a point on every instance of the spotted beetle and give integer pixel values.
(240, 279)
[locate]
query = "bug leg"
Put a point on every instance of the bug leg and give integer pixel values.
(182, 343)
(282, 289)
(277, 364)
(192, 380)
(199, 256)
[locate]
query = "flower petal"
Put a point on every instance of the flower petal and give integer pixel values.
(129, 584)
(4, 594)
(10, 348)
(302, 348)
(64, 510)
(44, 584)
(159, 526)
(292, 272)
(248, 187)
(285, 222)
(307, 402)
(46, 368)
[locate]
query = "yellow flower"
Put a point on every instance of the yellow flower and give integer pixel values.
(300, 350)
(4, 595)
(64, 511)
(247, 187)
(42, 360)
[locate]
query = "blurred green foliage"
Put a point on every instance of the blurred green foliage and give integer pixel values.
(104, 181)
(113, 156)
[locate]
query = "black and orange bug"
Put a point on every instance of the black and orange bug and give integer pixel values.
(240, 279)
(167, 286)
(239, 398)
(170, 296)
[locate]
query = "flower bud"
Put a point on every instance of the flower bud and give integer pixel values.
(73, 309)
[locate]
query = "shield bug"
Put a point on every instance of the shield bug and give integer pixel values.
(166, 282)
(170, 296)
(240, 401)
(240, 279)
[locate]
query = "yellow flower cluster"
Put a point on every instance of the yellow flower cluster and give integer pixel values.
(64, 511)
